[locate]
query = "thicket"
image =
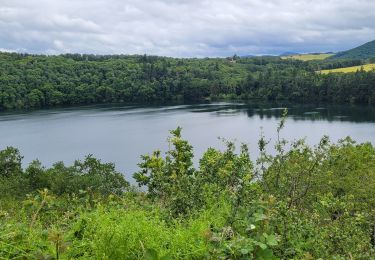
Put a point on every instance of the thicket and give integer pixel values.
(301, 202)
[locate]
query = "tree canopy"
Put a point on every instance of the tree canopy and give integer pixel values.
(37, 81)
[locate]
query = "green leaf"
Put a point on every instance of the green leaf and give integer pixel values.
(151, 254)
(166, 257)
(271, 240)
(259, 216)
(244, 251)
(265, 254)
(261, 245)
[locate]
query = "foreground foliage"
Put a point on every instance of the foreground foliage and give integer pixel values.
(300, 203)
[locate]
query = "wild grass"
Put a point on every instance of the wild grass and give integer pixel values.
(308, 57)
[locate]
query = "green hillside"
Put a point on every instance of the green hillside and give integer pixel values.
(364, 51)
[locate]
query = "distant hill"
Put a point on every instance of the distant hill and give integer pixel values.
(248, 56)
(364, 51)
(288, 53)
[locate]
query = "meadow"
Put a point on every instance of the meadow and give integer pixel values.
(309, 57)
(366, 67)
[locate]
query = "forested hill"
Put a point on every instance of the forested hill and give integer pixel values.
(365, 51)
(34, 81)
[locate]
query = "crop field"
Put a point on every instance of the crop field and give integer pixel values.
(308, 57)
(366, 67)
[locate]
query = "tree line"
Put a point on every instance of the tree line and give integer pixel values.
(38, 81)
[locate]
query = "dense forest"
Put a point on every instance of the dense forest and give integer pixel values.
(300, 203)
(37, 81)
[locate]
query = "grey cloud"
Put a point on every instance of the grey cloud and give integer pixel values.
(185, 27)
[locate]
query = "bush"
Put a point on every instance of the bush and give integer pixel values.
(301, 203)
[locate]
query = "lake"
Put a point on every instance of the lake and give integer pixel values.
(121, 133)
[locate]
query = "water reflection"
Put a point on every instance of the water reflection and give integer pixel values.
(310, 112)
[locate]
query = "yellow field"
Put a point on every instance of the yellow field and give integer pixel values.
(307, 57)
(367, 67)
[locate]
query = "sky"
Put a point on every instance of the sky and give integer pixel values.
(185, 28)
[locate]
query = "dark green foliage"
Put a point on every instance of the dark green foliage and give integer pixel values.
(37, 81)
(88, 175)
(10, 162)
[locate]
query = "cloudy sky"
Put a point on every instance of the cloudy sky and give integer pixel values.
(184, 28)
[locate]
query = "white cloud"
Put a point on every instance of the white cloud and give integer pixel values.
(10, 50)
(185, 27)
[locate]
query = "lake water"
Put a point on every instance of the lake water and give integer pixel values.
(121, 133)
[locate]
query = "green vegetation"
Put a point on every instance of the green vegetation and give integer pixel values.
(365, 67)
(37, 81)
(301, 203)
(365, 51)
(308, 57)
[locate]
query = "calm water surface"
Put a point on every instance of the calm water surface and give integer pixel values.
(120, 134)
